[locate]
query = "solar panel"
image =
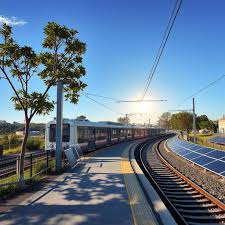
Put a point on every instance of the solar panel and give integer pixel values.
(208, 158)
(203, 160)
(192, 155)
(216, 154)
(204, 150)
(218, 140)
(216, 166)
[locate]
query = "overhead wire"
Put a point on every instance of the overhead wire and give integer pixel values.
(162, 45)
(202, 89)
(103, 105)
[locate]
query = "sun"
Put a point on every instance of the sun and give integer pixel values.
(143, 107)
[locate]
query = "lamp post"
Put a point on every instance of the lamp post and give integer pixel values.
(59, 123)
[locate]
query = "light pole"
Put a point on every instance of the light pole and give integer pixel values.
(194, 121)
(59, 123)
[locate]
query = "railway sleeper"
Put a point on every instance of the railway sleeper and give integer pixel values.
(184, 197)
(178, 189)
(181, 192)
(205, 211)
(205, 219)
(191, 201)
(195, 206)
(171, 182)
(163, 174)
(174, 185)
(168, 179)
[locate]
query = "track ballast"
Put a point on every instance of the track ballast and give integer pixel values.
(188, 203)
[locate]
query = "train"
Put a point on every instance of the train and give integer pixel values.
(93, 135)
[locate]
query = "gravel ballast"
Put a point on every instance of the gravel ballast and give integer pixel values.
(209, 181)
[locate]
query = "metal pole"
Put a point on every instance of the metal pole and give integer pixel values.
(58, 152)
(149, 124)
(194, 122)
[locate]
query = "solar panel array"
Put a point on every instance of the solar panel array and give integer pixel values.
(218, 140)
(208, 158)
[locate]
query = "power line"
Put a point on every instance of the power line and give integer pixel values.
(202, 89)
(163, 44)
(101, 96)
(119, 100)
(149, 100)
(103, 105)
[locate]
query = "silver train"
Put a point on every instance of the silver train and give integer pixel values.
(93, 135)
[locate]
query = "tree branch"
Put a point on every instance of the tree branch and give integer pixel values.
(14, 89)
(42, 97)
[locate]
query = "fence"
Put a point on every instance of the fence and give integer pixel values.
(37, 166)
(206, 143)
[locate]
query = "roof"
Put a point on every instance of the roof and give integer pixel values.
(106, 124)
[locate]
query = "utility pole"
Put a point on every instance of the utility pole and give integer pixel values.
(194, 121)
(59, 124)
(126, 119)
(149, 124)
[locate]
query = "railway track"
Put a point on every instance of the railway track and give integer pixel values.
(187, 202)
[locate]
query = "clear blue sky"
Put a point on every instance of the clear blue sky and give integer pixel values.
(122, 38)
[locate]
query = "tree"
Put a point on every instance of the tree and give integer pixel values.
(204, 122)
(164, 120)
(81, 117)
(124, 120)
(182, 121)
(61, 59)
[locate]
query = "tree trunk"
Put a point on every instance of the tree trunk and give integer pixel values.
(22, 155)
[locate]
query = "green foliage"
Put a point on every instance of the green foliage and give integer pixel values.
(164, 120)
(61, 59)
(182, 121)
(123, 120)
(204, 122)
(33, 144)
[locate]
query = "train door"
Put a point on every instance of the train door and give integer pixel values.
(109, 134)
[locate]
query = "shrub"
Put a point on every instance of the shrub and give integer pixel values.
(33, 144)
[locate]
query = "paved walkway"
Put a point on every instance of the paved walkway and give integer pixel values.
(92, 193)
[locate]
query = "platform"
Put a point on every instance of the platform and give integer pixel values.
(94, 193)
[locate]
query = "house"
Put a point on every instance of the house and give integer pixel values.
(32, 133)
(221, 125)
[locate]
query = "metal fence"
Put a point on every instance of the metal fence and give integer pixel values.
(36, 164)
(206, 143)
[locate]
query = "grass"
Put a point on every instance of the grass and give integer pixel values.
(12, 188)
(17, 149)
(202, 139)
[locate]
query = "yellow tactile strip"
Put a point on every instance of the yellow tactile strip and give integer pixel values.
(141, 210)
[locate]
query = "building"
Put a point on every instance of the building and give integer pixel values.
(221, 125)
(32, 133)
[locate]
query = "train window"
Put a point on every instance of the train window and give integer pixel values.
(85, 134)
(100, 134)
(65, 133)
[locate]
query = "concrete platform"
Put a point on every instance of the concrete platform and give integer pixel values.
(101, 190)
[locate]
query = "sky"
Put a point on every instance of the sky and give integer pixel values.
(122, 38)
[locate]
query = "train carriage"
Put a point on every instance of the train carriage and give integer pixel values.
(92, 135)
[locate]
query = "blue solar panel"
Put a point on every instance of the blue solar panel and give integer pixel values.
(218, 140)
(194, 147)
(208, 158)
(216, 154)
(204, 150)
(192, 155)
(216, 166)
(203, 160)
(183, 152)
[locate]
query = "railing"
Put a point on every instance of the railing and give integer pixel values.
(36, 164)
(206, 143)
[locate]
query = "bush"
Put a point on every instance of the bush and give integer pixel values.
(33, 144)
